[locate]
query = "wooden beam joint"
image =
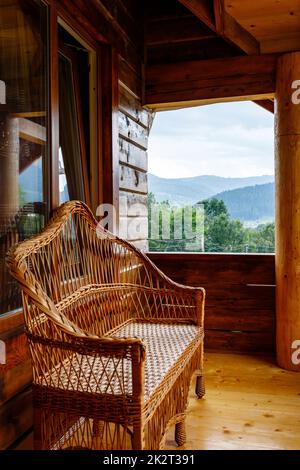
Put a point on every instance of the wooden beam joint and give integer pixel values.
(223, 24)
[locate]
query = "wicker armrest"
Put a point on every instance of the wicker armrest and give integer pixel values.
(93, 365)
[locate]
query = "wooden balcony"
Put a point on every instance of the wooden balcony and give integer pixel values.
(240, 296)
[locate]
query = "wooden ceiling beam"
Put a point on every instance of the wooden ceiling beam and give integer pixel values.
(203, 10)
(242, 38)
(208, 81)
(189, 50)
(268, 105)
(223, 24)
(32, 132)
(231, 30)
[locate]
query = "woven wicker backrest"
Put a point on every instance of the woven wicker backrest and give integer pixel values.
(62, 268)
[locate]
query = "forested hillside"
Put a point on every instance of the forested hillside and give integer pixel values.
(181, 191)
(253, 203)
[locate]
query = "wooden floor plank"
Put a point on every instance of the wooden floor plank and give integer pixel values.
(250, 404)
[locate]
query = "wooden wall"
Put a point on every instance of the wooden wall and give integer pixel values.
(134, 124)
(15, 380)
(240, 296)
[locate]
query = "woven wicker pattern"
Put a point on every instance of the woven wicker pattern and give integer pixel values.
(114, 342)
(90, 374)
(110, 375)
(161, 341)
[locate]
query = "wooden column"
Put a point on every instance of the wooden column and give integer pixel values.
(287, 170)
(9, 175)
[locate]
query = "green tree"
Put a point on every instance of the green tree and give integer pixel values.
(261, 239)
(221, 232)
(22, 196)
(214, 207)
(151, 199)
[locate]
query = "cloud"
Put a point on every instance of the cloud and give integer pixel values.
(228, 139)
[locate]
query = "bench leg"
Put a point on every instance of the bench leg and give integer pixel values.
(137, 437)
(98, 431)
(37, 429)
(200, 386)
(180, 433)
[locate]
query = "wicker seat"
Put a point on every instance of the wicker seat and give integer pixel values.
(113, 341)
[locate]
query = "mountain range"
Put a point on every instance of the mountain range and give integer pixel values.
(191, 190)
(248, 199)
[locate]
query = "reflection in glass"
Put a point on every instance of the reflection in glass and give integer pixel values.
(73, 116)
(23, 136)
(63, 185)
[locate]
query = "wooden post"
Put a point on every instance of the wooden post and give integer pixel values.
(287, 171)
(9, 176)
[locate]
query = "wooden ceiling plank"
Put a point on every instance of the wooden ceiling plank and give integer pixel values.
(274, 23)
(190, 50)
(222, 23)
(248, 8)
(177, 30)
(239, 36)
(282, 43)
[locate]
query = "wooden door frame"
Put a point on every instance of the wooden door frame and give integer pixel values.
(104, 163)
(53, 109)
(69, 55)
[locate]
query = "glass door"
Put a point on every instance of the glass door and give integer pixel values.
(23, 130)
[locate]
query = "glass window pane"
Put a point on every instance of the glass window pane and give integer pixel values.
(23, 130)
(73, 116)
(63, 184)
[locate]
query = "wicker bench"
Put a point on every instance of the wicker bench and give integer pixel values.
(113, 341)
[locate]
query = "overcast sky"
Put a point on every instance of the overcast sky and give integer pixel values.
(226, 139)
